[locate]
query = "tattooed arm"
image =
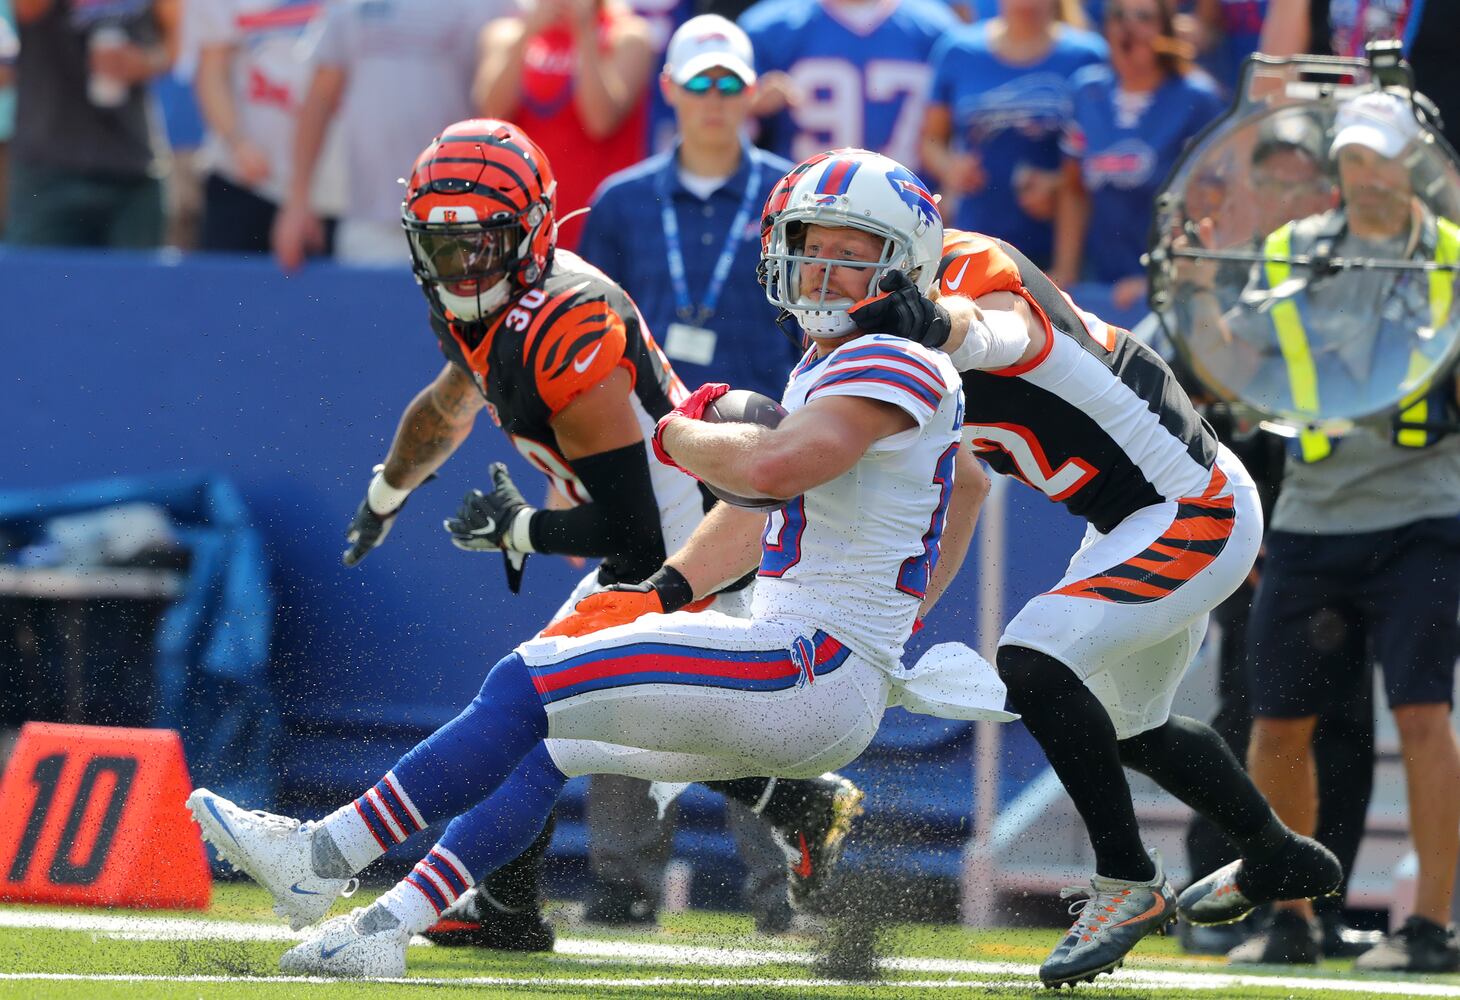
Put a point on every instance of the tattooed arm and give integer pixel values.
(438, 420)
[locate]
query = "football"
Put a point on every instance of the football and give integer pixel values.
(745, 406)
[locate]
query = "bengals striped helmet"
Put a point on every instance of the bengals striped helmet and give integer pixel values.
(479, 217)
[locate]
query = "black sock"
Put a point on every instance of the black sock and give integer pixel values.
(786, 806)
(1077, 737)
(1193, 763)
(516, 887)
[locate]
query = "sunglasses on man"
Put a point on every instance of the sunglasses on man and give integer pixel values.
(1118, 15)
(728, 86)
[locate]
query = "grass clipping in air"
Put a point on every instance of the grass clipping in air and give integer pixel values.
(856, 918)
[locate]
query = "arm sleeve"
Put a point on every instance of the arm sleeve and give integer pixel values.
(622, 522)
(996, 342)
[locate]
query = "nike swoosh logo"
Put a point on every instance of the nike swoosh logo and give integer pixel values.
(208, 804)
(302, 892)
(803, 867)
(957, 279)
(332, 952)
(582, 366)
(1157, 908)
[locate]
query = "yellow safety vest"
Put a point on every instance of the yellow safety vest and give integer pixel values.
(1293, 340)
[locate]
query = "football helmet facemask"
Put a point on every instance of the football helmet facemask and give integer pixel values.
(479, 216)
(851, 188)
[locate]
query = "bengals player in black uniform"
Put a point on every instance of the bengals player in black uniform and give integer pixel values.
(1094, 419)
(559, 357)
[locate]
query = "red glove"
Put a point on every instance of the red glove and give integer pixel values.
(694, 409)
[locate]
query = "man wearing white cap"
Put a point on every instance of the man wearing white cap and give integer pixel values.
(1363, 551)
(680, 233)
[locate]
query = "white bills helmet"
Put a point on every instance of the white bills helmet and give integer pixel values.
(846, 188)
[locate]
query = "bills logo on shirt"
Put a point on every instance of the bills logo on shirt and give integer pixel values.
(1127, 164)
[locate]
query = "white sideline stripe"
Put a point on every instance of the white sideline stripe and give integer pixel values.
(1196, 982)
(192, 928)
(502, 980)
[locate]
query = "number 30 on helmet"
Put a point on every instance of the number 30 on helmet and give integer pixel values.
(479, 216)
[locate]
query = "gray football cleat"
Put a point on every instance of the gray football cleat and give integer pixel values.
(1109, 922)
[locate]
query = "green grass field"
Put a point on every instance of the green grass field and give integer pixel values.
(232, 951)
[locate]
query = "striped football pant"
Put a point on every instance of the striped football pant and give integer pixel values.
(1131, 611)
(693, 697)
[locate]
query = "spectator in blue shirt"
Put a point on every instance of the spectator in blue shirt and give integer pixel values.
(712, 321)
(1000, 100)
(681, 233)
(1131, 121)
(845, 73)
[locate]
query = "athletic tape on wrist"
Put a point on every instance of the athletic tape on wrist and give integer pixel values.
(519, 535)
(384, 498)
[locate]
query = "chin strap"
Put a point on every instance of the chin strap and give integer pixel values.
(786, 323)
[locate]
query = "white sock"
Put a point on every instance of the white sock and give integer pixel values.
(437, 881)
(374, 823)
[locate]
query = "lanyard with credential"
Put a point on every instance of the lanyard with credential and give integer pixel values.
(683, 305)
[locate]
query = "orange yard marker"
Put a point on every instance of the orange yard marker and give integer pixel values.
(94, 815)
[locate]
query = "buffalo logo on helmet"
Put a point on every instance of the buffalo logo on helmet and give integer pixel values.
(914, 193)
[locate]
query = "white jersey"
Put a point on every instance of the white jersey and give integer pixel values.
(854, 556)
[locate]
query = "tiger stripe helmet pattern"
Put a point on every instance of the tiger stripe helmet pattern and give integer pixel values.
(478, 213)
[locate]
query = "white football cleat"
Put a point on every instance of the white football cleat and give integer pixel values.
(272, 850)
(338, 947)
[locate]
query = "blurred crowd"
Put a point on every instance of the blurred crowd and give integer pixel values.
(283, 126)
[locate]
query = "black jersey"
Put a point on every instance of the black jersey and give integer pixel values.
(552, 344)
(1096, 421)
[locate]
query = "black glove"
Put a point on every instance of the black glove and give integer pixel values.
(368, 529)
(484, 522)
(669, 583)
(903, 311)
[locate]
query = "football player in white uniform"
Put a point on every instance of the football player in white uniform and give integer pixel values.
(869, 465)
(1094, 419)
